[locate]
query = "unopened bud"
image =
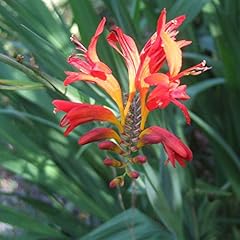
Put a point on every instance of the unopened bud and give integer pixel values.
(118, 181)
(108, 145)
(141, 159)
(134, 149)
(133, 174)
(113, 162)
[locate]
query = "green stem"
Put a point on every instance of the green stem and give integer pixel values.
(35, 74)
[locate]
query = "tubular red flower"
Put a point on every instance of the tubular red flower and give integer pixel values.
(91, 69)
(80, 113)
(174, 147)
(166, 92)
(89, 62)
(153, 55)
(98, 134)
(128, 50)
(95, 70)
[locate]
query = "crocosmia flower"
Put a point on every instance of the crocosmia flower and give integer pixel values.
(149, 89)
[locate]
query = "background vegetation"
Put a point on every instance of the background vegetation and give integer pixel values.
(71, 198)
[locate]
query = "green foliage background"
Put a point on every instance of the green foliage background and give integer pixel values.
(198, 202)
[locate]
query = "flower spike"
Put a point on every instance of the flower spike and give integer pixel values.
(150, 88)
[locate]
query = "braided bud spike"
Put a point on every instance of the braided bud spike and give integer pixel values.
(141, 159)
(133, 174)
(117, 181)
(113, 163)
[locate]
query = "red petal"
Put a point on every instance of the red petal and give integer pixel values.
(97, 69)
(180, 93)
(128, 47)
(100, 66)
(158, 98)
(77, 76)
(91, 53)
(184, 110)
(128, 50)
(155, 134)
(157, 78)
(100, 70)
(174, 147)
(98, 134)
(64, 106)
(110, 85)
(171, 156)
(161, 21)
(80, 64)
(99, 74)
(174, 24)
(152, 55)
(80, 113)
(173, 54)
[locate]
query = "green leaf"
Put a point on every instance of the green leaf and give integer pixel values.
(229, 159)
(23, 220)
(131, 224)
(189, 8)
(47, 80)
(202, 86)
(19, 85)
(121, 13)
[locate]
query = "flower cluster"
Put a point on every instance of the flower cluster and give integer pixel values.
(148, 90)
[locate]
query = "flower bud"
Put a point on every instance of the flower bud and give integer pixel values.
(134, 149)
(133, 174)
(118, 181)
(141, 159)
(113, 162)
(108, 145)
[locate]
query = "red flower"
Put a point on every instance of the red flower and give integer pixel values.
(91, 69)
(80, 113)
(151, 58)
(175, 149)
(168, 89)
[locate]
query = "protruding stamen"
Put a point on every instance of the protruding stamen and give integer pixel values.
(79, 45)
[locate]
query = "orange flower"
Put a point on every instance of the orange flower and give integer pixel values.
(149, 89)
